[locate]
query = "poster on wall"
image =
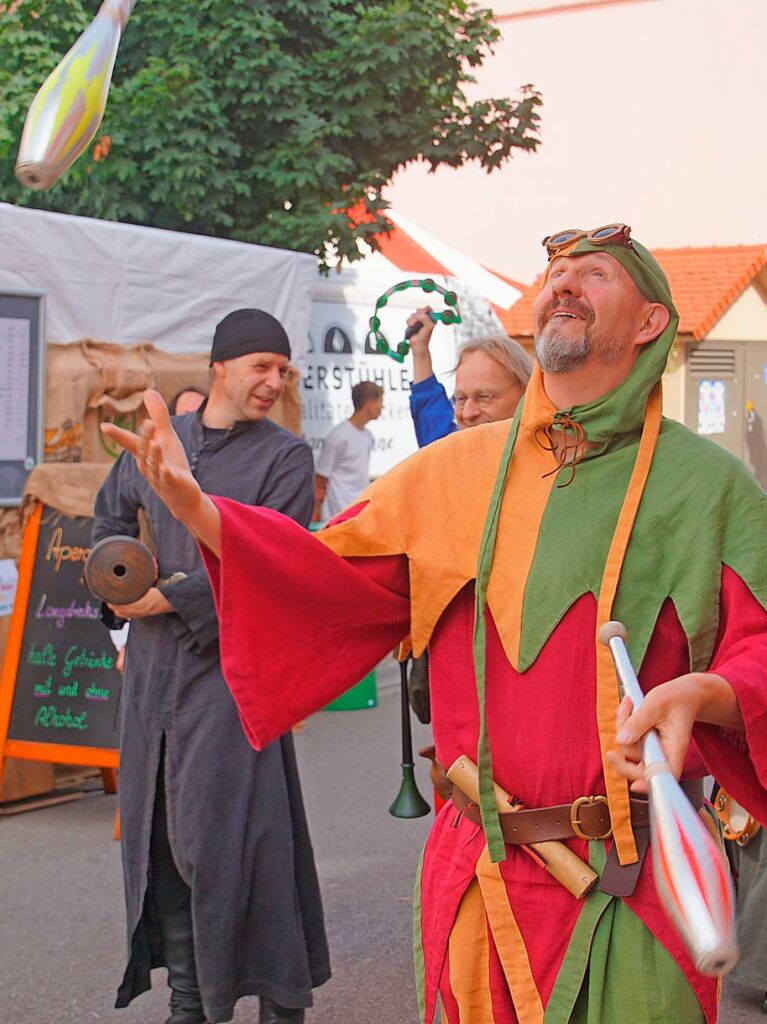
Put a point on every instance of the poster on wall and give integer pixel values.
(712, 406)
(15, 345)
(22, 359)
(341, 354)
(9, 577)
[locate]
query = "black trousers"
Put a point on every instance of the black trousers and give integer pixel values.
(172, 903)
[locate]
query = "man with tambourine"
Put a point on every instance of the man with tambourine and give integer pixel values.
(527, 540)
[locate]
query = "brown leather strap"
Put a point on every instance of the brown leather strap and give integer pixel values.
(587, 817)
(621, 879)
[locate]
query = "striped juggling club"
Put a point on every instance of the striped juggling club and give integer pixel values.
(67, 111)
(691, 874)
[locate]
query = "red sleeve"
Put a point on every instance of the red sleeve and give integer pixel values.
(739, 763)
(298, 624)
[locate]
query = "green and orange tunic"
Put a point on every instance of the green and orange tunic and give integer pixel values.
(474, 547)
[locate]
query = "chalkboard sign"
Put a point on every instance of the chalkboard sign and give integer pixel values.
(60, 689)
(22, 388)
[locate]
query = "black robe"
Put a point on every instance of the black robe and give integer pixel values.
(235, 817)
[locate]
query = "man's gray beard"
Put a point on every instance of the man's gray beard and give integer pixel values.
(558, 352)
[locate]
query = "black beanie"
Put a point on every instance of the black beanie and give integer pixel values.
(248, 330)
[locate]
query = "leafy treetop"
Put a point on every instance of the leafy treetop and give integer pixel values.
(266, 120)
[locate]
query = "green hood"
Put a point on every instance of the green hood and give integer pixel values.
(622, 409)
(700, 510)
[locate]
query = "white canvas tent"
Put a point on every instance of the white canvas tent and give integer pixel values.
(127, 284)
(122, 283)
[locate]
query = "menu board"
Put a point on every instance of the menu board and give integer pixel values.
(60, 689)
(22, 362)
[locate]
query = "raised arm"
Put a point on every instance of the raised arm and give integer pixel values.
(419, 343)
(162, 461)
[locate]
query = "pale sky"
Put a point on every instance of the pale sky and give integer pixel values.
(655, 114)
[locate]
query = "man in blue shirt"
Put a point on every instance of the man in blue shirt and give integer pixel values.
(490, 378)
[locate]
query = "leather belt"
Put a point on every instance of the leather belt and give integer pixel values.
(588, 817)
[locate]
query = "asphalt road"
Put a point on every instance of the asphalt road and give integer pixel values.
(61, 925)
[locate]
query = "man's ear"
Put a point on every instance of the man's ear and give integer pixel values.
(654, 322)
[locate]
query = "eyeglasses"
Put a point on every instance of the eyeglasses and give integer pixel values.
(479, 398)
(610, 234)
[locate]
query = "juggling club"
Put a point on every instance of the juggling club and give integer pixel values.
(691, 874)
(67, 111)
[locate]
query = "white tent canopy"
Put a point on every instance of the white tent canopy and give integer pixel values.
(128, 284)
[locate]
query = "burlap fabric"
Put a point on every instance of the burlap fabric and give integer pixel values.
(89, 382)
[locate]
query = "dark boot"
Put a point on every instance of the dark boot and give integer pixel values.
(273, 1013)
(172, 900)
(185, 1002)
(184, 1011)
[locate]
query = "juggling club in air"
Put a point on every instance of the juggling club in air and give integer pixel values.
(691, 874)
(67, 111)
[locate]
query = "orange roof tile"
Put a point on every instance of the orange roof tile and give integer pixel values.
(704, 283)
(404, 252)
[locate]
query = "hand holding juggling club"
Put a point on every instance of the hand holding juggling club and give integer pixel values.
(67, 111)
(691, 875)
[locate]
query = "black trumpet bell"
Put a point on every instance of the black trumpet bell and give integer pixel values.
(409, 803)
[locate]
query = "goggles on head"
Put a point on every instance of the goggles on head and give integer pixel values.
(609, 234)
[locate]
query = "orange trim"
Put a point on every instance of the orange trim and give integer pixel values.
(509, 942)
(61, 753)
(28, 750)
(16, 628)
(608, 697)
(469, 957)
(441, 546)
(528, 488)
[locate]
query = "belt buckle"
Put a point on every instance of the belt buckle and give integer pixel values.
(587, 801)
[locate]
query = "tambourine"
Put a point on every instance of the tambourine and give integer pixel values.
(737, 824)
(120, 570)
(426, 284)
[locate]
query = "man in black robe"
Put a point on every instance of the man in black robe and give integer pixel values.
(220, 881)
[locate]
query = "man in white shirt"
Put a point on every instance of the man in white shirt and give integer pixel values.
(343, 468)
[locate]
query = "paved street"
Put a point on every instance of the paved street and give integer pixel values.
(61, 930)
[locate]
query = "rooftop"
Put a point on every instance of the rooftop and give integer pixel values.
(704, 283)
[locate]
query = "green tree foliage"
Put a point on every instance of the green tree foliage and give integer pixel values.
(266, 120)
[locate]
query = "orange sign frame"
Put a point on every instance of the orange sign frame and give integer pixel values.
(28, 750)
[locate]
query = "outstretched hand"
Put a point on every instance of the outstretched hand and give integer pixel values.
(160, 458)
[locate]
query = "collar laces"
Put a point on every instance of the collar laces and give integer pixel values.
(566, 440)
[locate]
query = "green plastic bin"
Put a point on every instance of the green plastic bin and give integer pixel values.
(363, 695)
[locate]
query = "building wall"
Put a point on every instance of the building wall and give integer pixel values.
(651, 116)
